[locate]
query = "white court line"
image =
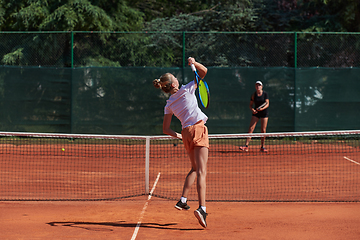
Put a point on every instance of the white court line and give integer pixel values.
(352, 160)
(144, 208)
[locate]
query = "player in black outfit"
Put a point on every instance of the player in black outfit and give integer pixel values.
(258, 98)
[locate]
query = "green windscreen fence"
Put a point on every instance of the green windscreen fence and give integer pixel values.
(122, 100)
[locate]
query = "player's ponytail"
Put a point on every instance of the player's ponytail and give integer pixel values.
(164, 82)
(156, 83)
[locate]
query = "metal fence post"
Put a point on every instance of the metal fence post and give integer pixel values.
(295, 71)
(71, 83)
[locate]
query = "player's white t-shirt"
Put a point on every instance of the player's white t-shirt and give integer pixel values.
(183, 104)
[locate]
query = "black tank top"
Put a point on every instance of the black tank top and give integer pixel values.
(258, 100)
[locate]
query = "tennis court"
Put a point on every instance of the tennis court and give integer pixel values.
(86, 187)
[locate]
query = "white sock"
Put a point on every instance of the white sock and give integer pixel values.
(183, 199)
(203, 208)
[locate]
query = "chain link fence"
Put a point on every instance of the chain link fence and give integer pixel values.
(170, 49)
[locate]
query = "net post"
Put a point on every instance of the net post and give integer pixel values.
(147, 161)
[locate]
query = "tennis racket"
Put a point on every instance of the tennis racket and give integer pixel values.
(203, 88)
(262, 105)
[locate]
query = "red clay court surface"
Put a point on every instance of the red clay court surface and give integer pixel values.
(160, 220)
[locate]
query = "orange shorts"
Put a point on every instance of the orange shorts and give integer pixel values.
(195, 136)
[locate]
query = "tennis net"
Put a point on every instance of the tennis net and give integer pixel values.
(307, 166)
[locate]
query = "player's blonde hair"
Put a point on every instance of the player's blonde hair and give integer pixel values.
(164, 82)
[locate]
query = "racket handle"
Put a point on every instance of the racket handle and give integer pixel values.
(193, 68)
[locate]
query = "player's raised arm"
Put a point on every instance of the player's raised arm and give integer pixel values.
(201, 69)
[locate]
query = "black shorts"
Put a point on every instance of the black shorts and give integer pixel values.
(262, 114)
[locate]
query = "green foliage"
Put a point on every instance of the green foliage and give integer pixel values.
(127, 49)
(73, 15)
(35, 49)
(169, 9)
(30, 16)
(54, 15)
(303, 15)
(13, 57)
(346, 12)
(179, 15)
(229, 17)
(77, 15)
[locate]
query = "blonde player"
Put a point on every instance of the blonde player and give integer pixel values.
(183, 104)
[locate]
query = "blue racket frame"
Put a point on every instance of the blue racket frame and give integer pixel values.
(197, 77)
